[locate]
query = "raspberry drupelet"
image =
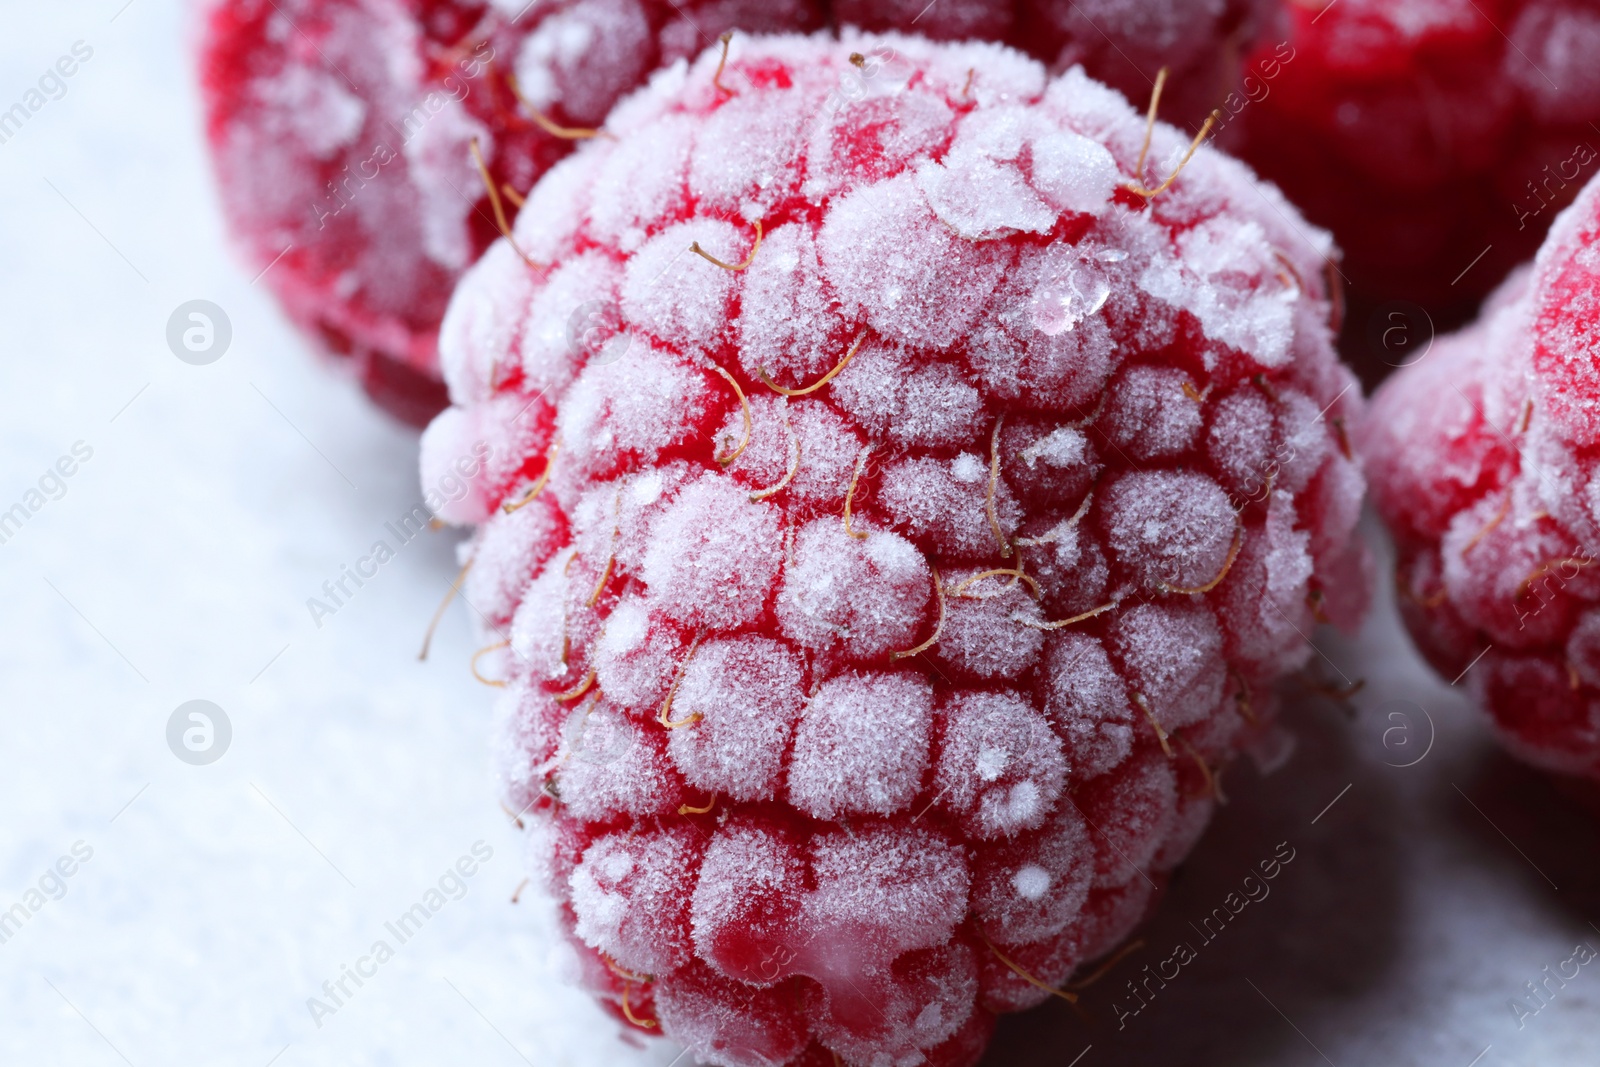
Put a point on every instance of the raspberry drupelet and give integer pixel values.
(892, 566)
(342, 133)
(1481, 457)
(1437, 139)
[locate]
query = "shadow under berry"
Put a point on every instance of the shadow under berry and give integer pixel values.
(1307, 913)
(1533, 823)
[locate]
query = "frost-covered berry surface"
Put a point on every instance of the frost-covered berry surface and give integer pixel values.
(1427, 134)
(919, 533)
(1482, 456)
(342, 129)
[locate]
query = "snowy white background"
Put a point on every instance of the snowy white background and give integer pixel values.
(219, 898)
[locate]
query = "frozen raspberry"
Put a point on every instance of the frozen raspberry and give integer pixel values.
(1482, 456)
(342, 130)
(1426, 133)
(1123, 43)
(914, 541)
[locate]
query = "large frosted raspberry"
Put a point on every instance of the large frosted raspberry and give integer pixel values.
(1123, 43)
(917, 534)
(342, 131)
(1428, 133)
(1482, 456)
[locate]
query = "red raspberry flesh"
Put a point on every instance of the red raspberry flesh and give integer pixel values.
(340, 131)
(1423, 132)
(1481, 457)
(809, 777)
